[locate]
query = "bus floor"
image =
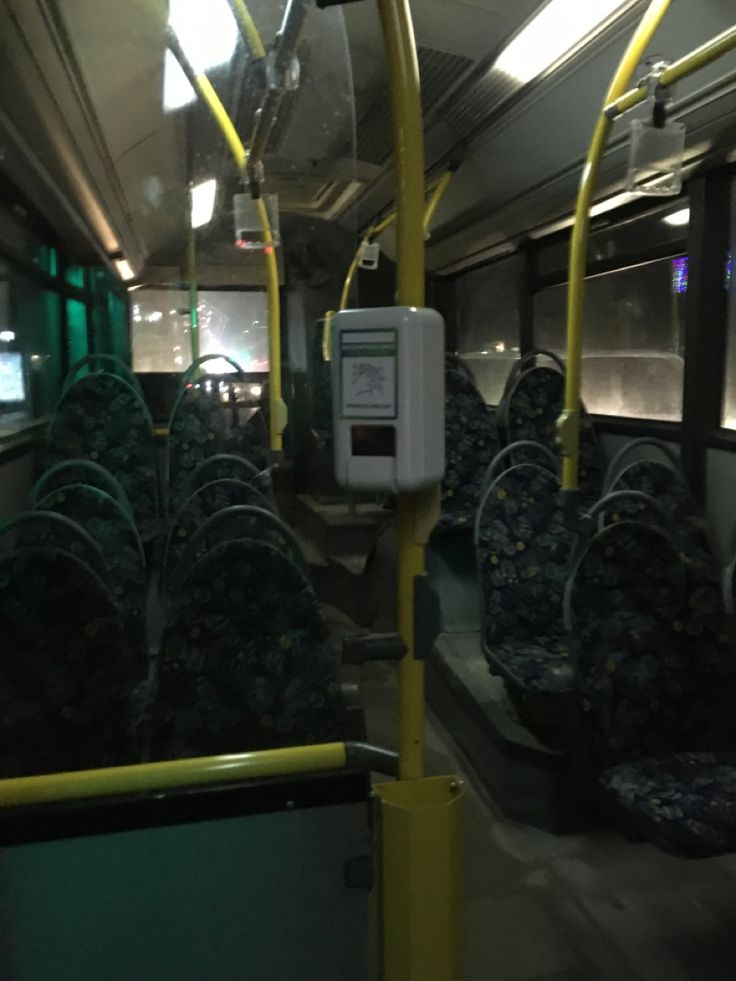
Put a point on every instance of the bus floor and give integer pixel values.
(580, 907)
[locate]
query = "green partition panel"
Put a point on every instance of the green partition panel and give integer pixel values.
(261, 897)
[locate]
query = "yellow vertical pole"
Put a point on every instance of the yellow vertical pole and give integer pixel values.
(568, 424)
(416, 513)
(419, 818)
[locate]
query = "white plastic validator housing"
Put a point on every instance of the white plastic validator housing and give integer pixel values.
(388, 384)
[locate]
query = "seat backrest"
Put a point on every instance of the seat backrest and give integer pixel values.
(101, 417)
(246, 661)
(687, 522)
(79, 472)
(230, 466)
(196, 366)
(229, 524)
(108, 362)
(522, 549)
(650, 644)
(471, 442)
(202, 426)
(647, 448)
(207, 500)
(525, 451)
(114, 532)
(31, 528)
(526, 361)
(67, 667)
(530, 411)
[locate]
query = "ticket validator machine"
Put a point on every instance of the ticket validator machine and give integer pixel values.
(388, 387)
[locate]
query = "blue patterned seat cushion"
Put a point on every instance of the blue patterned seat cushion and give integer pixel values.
(203, 503)
(523, 549)
(471, 442)
(68, 667)
(246, 661)
(653, 652)
(102, 418)
(669, 488)
(542, 666)
(202, 425)
(532, 409)
(685, 803)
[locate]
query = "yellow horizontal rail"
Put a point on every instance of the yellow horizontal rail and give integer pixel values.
(83, 784)
(682, 68)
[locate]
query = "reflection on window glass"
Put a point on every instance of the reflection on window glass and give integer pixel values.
(488, 323)
(234, 323)
(30, 352)
(633, 354)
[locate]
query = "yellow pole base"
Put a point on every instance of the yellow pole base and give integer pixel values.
(420, 876)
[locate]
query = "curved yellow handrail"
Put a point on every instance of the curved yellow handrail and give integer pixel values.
(248, 28)
(705, 54)
(435, 189)
(568, 425)
(277, 408)
(435, 198)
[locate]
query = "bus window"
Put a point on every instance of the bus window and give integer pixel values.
(488, 323)
(634, 338)
(232, 322)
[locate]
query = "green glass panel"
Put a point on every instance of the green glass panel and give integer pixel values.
(76, 316)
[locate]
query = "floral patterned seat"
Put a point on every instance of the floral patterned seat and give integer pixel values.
(246, 661)
(525, 451)
(113, 530)
(231, 523)
(656, 678)
(522, 548)
(202, 426)
(530, 411)
(687, 522)
(32, 528)
(202, 504)
(471, 442)
(230, 466)
(79, 472)
(68, 669)
(102, 418)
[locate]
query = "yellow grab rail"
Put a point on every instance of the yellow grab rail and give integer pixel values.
(719, 45)
(139, 777)
(247, 27)
(435, 189)
(416, 513)
(568, 424)
(205, 90)
(435, 198)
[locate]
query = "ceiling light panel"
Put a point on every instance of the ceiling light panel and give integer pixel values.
(551, 34)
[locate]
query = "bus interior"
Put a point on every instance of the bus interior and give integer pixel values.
(296, 683)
